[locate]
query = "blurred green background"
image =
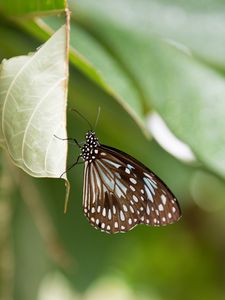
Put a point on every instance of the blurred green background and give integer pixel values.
(130, 58)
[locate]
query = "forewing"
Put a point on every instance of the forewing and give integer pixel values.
(120, 192)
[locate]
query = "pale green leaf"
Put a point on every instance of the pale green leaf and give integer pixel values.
(33, 91)
(198, 25)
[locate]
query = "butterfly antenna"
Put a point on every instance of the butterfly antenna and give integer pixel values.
(76, 111)
(98, 115)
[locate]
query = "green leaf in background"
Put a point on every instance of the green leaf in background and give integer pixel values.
(109, 73)
(185, 91)
(33, 108)
(198, 25)
(35, 7)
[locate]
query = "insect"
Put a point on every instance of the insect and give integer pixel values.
(119, 192)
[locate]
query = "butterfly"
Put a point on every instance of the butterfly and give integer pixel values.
(119, 192)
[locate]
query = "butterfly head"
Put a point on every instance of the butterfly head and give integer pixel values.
(90, 148)
(91, 137)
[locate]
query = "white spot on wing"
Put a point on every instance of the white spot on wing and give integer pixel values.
(135, 198)
(134, 181)
(122, 217)
(125, 208)
(127, 171)
(132, 188)
(131, 209)
(163, 198)
(161, 208)
(104, 212)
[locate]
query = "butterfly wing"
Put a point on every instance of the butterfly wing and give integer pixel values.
(120, 192)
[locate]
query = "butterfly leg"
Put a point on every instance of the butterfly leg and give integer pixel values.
(69, 139)
(73, 165)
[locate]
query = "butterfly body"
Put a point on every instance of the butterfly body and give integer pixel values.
(120, 192)
(90, 148)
